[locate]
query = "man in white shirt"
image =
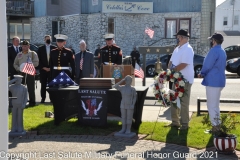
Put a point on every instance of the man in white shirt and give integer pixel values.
(182, 61)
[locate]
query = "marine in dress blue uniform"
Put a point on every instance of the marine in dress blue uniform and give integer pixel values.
(61, 58)
(111, 53)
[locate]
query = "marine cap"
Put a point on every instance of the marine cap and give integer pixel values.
(60, 37)
(17, 76)
(108, 36)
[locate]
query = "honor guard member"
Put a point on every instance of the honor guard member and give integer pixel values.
(26, 55)
(110, 54)
(61, 58)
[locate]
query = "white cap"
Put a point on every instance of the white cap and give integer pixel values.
(60, 37)
(17, 76)
(82, 41)
(108, 36)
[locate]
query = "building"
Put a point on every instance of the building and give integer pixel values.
(18, 14)
(228, 22)
(91, 19)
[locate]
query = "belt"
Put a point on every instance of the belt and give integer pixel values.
(107, 63)
(60, 68)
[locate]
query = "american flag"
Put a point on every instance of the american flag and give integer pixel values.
(29, 67)
(138, 71)
(149, 32)
(62, 80)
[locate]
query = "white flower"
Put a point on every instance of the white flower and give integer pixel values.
(155, 91)
(180, 94)
(181, 83)
(160, 85)
(171, 91)
(168, 72)
(176, 75)
(172, 80)
(157, 79)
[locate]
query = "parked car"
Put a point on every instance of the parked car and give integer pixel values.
(150, 65)
(232, 51)
(233, 65)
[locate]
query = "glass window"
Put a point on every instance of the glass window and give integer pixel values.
(173, 25)
(111, 25)
(236, 19)
(184, 24)
(54, 30)
(171, 28)
(225, 21)
(27, 31)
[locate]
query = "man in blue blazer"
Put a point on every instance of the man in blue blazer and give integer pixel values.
(84, 63)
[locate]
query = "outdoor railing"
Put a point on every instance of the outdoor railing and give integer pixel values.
(19, 7)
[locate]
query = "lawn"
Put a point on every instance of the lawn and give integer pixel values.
(34, 120)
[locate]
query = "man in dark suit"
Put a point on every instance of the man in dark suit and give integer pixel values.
(13, 50)
(44, 55)
(135, 57)
(84, 62)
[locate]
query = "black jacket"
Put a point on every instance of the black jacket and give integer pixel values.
(11, 57)
(42, 55)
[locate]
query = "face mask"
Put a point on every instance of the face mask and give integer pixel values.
(211, 43)
(48, 41)
(177, 41)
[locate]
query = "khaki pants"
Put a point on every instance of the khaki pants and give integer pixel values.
(181, 116)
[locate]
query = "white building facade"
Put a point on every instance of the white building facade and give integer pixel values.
(228, 16)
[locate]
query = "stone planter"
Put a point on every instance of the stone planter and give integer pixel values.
(225, 145)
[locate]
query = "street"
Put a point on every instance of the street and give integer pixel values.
(232, 90)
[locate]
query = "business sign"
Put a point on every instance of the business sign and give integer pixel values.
(93, 107)
(127, 7)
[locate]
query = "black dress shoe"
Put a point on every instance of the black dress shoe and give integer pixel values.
(31, 104)
(42, 101)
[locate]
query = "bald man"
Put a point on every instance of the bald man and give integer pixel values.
(84, 63)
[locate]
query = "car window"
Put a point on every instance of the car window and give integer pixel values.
(228, 49)
(236, 48)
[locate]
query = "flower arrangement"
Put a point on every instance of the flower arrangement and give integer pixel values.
(225, 124)
(165, 95)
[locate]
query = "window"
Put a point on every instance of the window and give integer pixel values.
(236, 18)
(171, 28)
(111, 25)
(54, 30)
(173, 25)
(17, 30)
(55, 2)
(225, 20)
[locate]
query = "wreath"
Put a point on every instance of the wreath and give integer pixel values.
(165, 95)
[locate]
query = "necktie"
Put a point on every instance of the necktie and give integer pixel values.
(81, 61)
(17, 49)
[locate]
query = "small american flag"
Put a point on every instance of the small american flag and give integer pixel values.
(149, 32)
(138, 71)
(29, 68)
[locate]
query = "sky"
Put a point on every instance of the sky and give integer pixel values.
(219, 2)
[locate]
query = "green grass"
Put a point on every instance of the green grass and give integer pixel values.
(34, 120)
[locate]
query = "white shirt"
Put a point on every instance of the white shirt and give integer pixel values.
(16, 47)
(184, 54)
(48, 51)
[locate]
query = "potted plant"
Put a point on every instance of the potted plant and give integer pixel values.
(223, 140)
